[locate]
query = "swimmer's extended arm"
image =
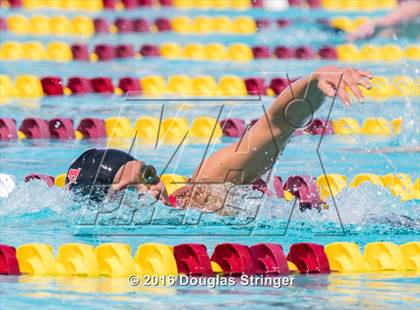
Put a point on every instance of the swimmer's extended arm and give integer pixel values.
(246, 160)
(405, 12)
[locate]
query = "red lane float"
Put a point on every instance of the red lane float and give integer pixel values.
(163, 2)
(61, 128)
(130, 4)
(145, 3)
(269, 259)
(255, 86)
(304, 52)
(284, 52)
(327, 52)
(52, 86)
(35, 128)
(192, 259)
(8, 262)
(277, 85)
(278, 187)
(15, 3)
(141, 25)
(235, 259)
(92, 128)
(149, 50)
(49, 180)
(262, 23)
(80, 52)
(79, 85)
(295, 3)
(315, 4)
(281, 23)
(8, 129)
(320, 127)
(105, 52)
(101, 25)
(309, 258)
(233, 127)
(261, 52)
(109, 4)
(102, 85)
(124, 25)
(127, 84)
(124, 51)
(305, 190)
(163, 24)
(3, 25)
(261, 186)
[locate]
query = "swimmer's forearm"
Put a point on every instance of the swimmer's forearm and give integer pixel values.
(405, 12)
(296, 104)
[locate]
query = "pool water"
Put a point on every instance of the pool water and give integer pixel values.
(33, 212)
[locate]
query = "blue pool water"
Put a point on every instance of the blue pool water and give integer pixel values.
(35, 213)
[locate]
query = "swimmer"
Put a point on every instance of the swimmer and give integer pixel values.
(241, 162)
(404, 20)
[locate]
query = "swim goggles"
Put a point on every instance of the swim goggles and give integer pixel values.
(148, 175)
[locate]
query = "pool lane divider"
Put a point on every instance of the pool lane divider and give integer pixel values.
(84, 25)
(120, 5)
(30, 87)
(59, 51)
(311, 192)
(174, 129)
(228, 259)
(240, 5)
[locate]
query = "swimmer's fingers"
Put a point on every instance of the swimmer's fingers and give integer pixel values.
(333, 81)
(351, 84)
(356, 78)
(343, 96)
(361, 77)
(352, 79)
(363, 73)
(159, 192)
(333, 87)
(339, 85)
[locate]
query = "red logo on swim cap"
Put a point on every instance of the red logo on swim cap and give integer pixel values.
(73, 174)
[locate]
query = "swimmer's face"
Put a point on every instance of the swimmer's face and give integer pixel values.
(149, 182)
(137, 174)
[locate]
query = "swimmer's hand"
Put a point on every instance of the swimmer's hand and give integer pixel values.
(364, 31)
(158, 191)
(334, 81)
(129, 176)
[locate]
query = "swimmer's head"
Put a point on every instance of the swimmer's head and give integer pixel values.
(143, 177)
(133, 175)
